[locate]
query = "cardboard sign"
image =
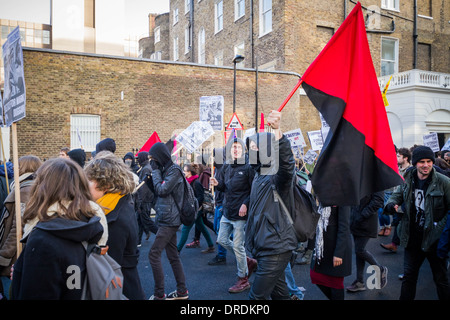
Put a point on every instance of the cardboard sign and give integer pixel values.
(296, 138)
(211, 110)
(431, 140)
(194, 136)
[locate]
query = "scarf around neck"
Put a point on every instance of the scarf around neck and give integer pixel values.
(192, 178)
(109, 201)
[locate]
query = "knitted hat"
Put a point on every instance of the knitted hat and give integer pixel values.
(422, 152)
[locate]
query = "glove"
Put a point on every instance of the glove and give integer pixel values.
(154, 164)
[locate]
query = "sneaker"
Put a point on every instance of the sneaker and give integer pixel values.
(193, 244)
(209, 250)
(241, 285)
(217, 261)
(153, 297)
(252, 264)
(356, 286)
(383, 277)
(390, 246)
(175, 295)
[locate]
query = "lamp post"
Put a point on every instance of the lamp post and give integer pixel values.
(238, 58)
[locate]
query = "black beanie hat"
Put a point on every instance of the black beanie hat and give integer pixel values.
(422, 152)
(107, 144)
(78, 155)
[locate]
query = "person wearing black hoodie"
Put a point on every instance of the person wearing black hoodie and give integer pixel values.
(61, 216)
(107, 144)
(235, 180)
(78, 155)
(130, 161)
(166, 181)
(145, 199)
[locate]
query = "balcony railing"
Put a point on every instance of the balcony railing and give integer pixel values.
(416, 77)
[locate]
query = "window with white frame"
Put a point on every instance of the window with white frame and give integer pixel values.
(157, 34)
(265, 17)
(175, 16)
(175, 49)
(239, 49)
(218, 58)
(187, 6)
(389, 56)
(187, 39)
(390, 4)
(201, 46)
(218, 16)
(239, 9)
(84, 131)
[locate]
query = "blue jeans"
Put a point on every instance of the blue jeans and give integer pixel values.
(218, 211)
(290, 281)
(235, 227)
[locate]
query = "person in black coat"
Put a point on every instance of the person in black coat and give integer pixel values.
(332, 258)
(145, 199)
(167, 183)
(61, 215)
(363, 226)
(111, 185)
(269, 235)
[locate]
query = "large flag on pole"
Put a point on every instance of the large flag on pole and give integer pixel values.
(358, 156)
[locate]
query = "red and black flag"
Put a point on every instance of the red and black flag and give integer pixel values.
(358, 156)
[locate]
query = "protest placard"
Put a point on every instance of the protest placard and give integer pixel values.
(295, 138)
(194, 135)
(211, 110)
(315, 138)
(431, 140)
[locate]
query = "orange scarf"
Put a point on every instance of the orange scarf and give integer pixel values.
(109, 201)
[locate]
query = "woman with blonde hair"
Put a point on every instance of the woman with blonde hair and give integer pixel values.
(59, 216)
(111, 184)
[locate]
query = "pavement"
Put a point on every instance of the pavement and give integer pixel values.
(207, 282)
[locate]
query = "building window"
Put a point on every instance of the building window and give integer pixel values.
(201, 46)
(218, 58)
(175, 49)
(390, 4)
(46, 37)
(84, 131)
(265, 17)
(156, 55)
(187, 6)
(389, 56)
(157, 33)
(218, 16)
(240, 49)
(175, 16)
(239, 9)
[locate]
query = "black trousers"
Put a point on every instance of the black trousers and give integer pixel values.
(414, 257)
(270, 280)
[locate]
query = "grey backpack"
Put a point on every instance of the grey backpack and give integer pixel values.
(104, 278)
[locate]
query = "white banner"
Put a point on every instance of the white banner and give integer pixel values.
(193, 137)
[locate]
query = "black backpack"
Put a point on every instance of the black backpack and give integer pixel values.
(189, 208)
(305, 214)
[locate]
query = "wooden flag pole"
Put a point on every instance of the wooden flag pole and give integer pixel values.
(17, 190)
(4, 161)
(290, 95)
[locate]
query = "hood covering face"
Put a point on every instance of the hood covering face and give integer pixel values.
(142, 157)
(78, 155)
(265, 159)
(107, 144)
(161, 154)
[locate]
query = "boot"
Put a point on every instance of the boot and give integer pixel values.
(241, 285)
(306, 259)
(252, 264)
(193, 244)
(390, 246)
(387, 231)
(381, 232)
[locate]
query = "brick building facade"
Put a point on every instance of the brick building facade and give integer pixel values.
(157, 96)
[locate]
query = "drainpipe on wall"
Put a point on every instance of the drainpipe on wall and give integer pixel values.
(252, 43)
(191, 29)
(415, 36)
